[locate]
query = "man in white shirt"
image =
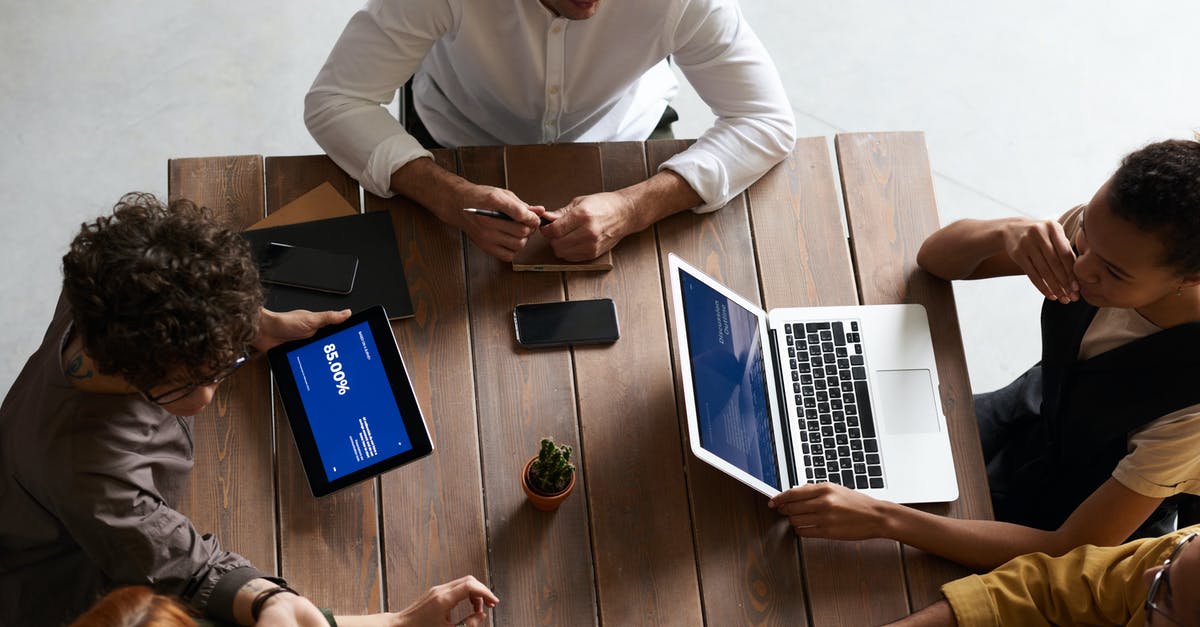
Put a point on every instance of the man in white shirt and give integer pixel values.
(501, 72)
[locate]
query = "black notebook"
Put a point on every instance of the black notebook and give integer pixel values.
(369, 236)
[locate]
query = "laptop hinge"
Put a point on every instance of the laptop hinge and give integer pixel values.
(781, 411)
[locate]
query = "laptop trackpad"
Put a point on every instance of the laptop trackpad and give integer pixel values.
(906, 401)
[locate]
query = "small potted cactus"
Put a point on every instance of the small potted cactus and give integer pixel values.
(549, 476)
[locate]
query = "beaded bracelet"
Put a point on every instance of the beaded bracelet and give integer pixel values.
(261, 599)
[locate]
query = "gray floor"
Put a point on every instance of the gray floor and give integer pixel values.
(1026, 105)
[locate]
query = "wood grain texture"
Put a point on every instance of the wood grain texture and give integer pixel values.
(645, 562)
(804, 260)
(891, 209)
(748, 561)
(541, 564)
(433, 524)
(329, 547)
(232, 491)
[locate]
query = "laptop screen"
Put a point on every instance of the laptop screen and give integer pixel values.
(345, 390)
(726, 353)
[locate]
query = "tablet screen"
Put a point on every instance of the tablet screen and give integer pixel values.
(350, 402)
(351, 409)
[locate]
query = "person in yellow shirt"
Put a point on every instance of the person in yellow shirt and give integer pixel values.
(1144, 582)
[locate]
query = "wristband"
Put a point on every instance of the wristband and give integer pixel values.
(261, 599)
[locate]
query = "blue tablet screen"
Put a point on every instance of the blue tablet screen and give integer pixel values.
(728, 380)
(346, 394)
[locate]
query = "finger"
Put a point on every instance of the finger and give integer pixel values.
(488, 225)
(1066, 257)
(1035, 268)
(1056, 276)
(473, 588)
(800, 493)
(563, 221)
(577, 245)
(545, 216)
(518, 211)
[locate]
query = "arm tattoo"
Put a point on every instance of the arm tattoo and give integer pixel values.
(75, 369)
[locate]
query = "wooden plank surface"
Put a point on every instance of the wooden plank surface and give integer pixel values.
(748, 562)
(891, 209)
(645, 563)
(329, 547)
(541, 564)
(803, 260)
(433, 524)
(232, 491)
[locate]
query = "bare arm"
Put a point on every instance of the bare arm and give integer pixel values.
(978, 249)
(939, 614)
(446, 194)
(1106, 518)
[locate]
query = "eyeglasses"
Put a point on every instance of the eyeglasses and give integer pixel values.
(181, 392)
(1161, 578)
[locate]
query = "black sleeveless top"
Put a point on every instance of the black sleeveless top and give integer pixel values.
(1072, 418)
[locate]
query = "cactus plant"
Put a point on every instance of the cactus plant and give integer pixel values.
(551, 472)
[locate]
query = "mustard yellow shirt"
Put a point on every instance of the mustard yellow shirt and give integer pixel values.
(1091, 585)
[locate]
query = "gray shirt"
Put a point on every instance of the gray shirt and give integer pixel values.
(86, 492)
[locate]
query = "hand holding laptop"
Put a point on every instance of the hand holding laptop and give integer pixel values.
(828, 510)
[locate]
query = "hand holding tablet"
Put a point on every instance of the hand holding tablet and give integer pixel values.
(349, 401)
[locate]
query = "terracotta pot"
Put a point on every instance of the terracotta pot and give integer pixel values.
(539, 500)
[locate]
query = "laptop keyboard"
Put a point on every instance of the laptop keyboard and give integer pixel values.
(829, 387)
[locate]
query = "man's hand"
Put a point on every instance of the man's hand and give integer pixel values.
(827, 510)
(276, 328)
(499, 238)
(434, 607)
(590, 225)
(445, 195)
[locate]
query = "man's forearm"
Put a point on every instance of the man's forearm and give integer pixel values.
(664, 194)
(431, 186)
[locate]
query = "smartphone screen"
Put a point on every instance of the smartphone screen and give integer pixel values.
(309, 268)
(568, 322)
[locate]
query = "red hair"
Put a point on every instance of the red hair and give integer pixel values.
(135, 606)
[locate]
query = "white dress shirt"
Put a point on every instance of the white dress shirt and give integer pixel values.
(495, 72)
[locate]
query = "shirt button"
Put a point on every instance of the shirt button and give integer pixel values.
(556, 30)
(553, 89)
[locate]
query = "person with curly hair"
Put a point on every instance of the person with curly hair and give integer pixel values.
(1097, 442)
(159, 304)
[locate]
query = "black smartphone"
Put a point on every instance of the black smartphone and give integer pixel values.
(567, 322)
(309, 268)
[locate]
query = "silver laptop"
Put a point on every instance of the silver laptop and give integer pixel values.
(811, 394)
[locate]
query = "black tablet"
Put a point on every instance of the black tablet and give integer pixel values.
(350, 403)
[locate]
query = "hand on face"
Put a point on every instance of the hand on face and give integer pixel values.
(589, 226)
(1041, 249)
(499, 238)
(827, 510)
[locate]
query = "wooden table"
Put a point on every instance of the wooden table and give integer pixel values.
(651, 536)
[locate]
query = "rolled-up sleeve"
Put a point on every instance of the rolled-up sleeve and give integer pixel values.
(379, 50)
(730, 69)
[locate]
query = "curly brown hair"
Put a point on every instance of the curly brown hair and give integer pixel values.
(161, 291)
(1157, 188)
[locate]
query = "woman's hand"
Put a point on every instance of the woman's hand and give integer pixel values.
(434, 607)
(1043, 252)
(828, 510)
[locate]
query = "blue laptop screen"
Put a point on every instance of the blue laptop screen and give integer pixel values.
(346, 394)
(729, 381)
